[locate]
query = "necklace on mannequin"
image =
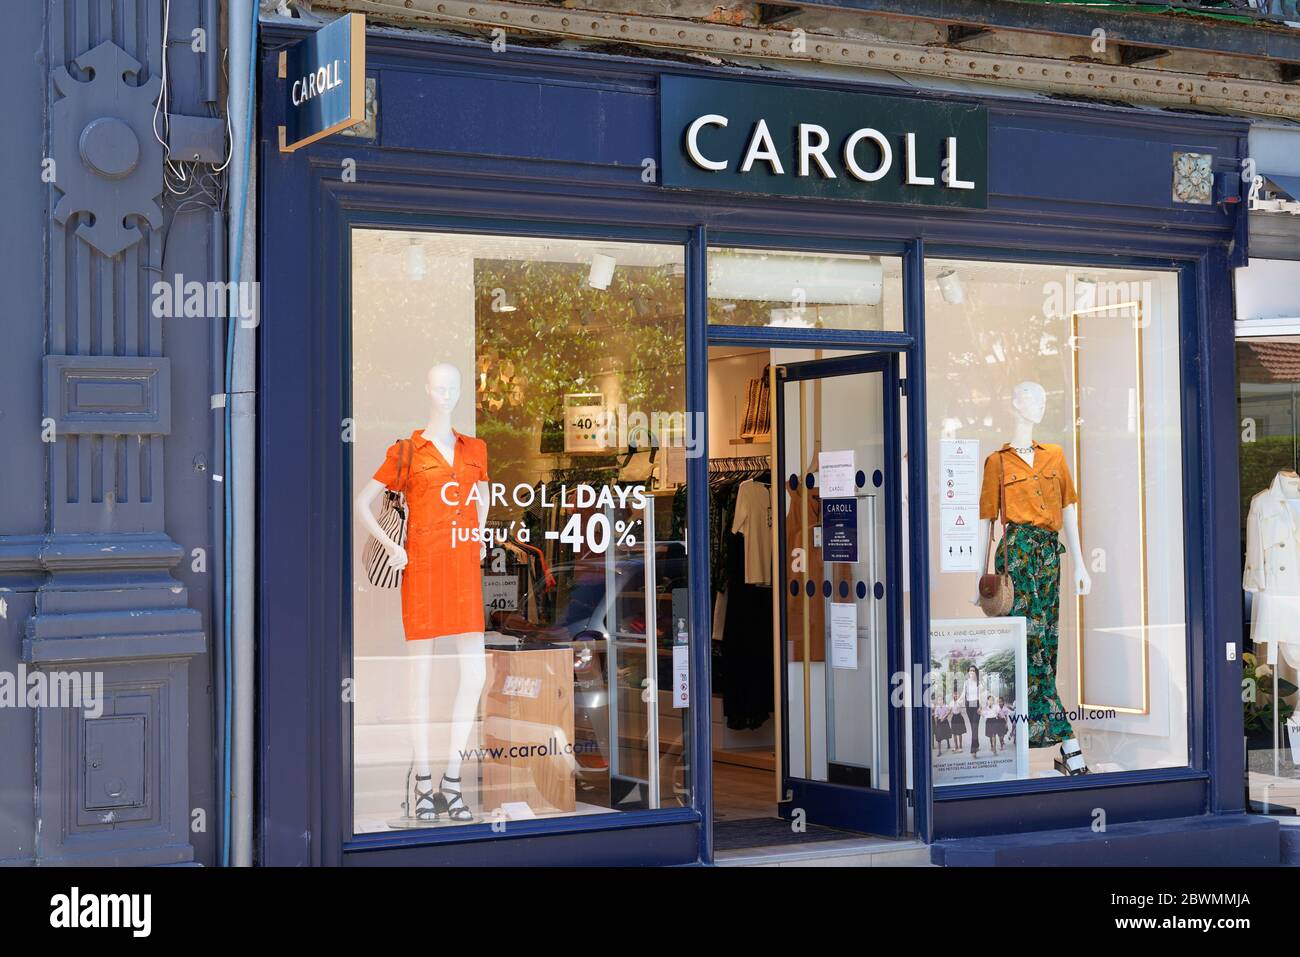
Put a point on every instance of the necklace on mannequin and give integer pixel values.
(1024, 451)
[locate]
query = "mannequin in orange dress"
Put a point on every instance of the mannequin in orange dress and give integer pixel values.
(442, 587)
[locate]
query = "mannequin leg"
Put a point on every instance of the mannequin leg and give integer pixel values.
(472, 664)
(419, 680)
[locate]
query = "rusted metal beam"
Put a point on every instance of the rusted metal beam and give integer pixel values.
(1129, 55)
(1030, 73)
(959, 33)
(1172, 32)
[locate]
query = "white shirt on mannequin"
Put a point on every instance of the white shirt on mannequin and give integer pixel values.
(1272, 569)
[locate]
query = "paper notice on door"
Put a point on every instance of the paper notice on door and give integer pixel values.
(836, 471)
(959, 538)
(844, 636)
(959, 471)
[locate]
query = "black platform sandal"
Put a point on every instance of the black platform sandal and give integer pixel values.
(1071, 762)
(426, 806)
(450, 802)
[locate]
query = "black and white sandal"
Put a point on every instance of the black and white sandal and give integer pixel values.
(1071, 762)
(426, 808)
(449, 801)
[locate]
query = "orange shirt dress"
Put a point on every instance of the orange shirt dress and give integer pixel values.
(442, 585)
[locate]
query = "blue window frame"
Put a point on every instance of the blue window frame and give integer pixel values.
(306, 214)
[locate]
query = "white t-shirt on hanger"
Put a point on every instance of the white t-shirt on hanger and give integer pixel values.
(754, 521)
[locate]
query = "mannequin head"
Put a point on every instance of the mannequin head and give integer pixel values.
(1029, 402)
(443, 388)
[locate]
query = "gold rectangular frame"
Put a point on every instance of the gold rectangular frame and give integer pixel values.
(1075, 339)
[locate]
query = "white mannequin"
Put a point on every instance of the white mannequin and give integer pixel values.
(465, 651)
(1028, 404)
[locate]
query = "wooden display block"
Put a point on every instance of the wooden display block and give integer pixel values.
(528, 730)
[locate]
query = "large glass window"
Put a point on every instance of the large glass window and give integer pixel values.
(1055, 454)
(1268, 377)
(518, 437)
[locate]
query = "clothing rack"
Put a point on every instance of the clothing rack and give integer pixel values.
(740, 463)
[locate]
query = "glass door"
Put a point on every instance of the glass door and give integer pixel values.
(837, 448)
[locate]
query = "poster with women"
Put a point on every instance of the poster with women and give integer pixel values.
(978, 693)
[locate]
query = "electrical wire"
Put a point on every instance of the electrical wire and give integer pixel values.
(192, 186)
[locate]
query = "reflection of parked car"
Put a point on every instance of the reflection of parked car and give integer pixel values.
(573, 612)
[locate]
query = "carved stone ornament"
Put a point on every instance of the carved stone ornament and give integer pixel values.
(1193, 178)
(108, 163)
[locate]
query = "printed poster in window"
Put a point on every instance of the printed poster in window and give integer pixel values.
(584, 422)
(978, 698)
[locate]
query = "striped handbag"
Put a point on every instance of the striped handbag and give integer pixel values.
(392, 519)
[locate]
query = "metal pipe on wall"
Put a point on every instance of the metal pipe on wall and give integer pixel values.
(241, 472)
(217, 466)
(212, 27)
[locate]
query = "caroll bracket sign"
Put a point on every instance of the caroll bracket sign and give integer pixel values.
(324, 82)
(795, 141)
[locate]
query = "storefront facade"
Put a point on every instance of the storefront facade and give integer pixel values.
(950, 256)
(1267, 293)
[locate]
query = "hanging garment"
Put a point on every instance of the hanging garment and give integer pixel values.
(719, 615)
(747, 694)
(442, 585)
(753, 521)
(758, 406)
(1272, 569)
(1033, 559)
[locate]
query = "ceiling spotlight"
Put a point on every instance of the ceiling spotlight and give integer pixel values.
(1085, 292)
(602, 271)
(951, 288)
(416, 265)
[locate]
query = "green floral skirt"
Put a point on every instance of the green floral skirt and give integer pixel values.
(1034, 556)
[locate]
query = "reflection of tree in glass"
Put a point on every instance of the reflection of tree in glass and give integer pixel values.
(543, 332)
(999, 336)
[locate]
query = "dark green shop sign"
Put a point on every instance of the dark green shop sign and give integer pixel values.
(795, 141)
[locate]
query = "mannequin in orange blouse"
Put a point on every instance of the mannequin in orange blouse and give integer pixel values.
(442, 591)
(1043, 506)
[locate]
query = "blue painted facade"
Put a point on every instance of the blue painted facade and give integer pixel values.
(107, 431)
(548, 143)
(98, 527)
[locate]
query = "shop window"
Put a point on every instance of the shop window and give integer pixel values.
(521, 401)
(794, 290)
(1055, 454)
(1268, 376)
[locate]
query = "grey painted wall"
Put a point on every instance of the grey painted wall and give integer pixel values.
(97, 527)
